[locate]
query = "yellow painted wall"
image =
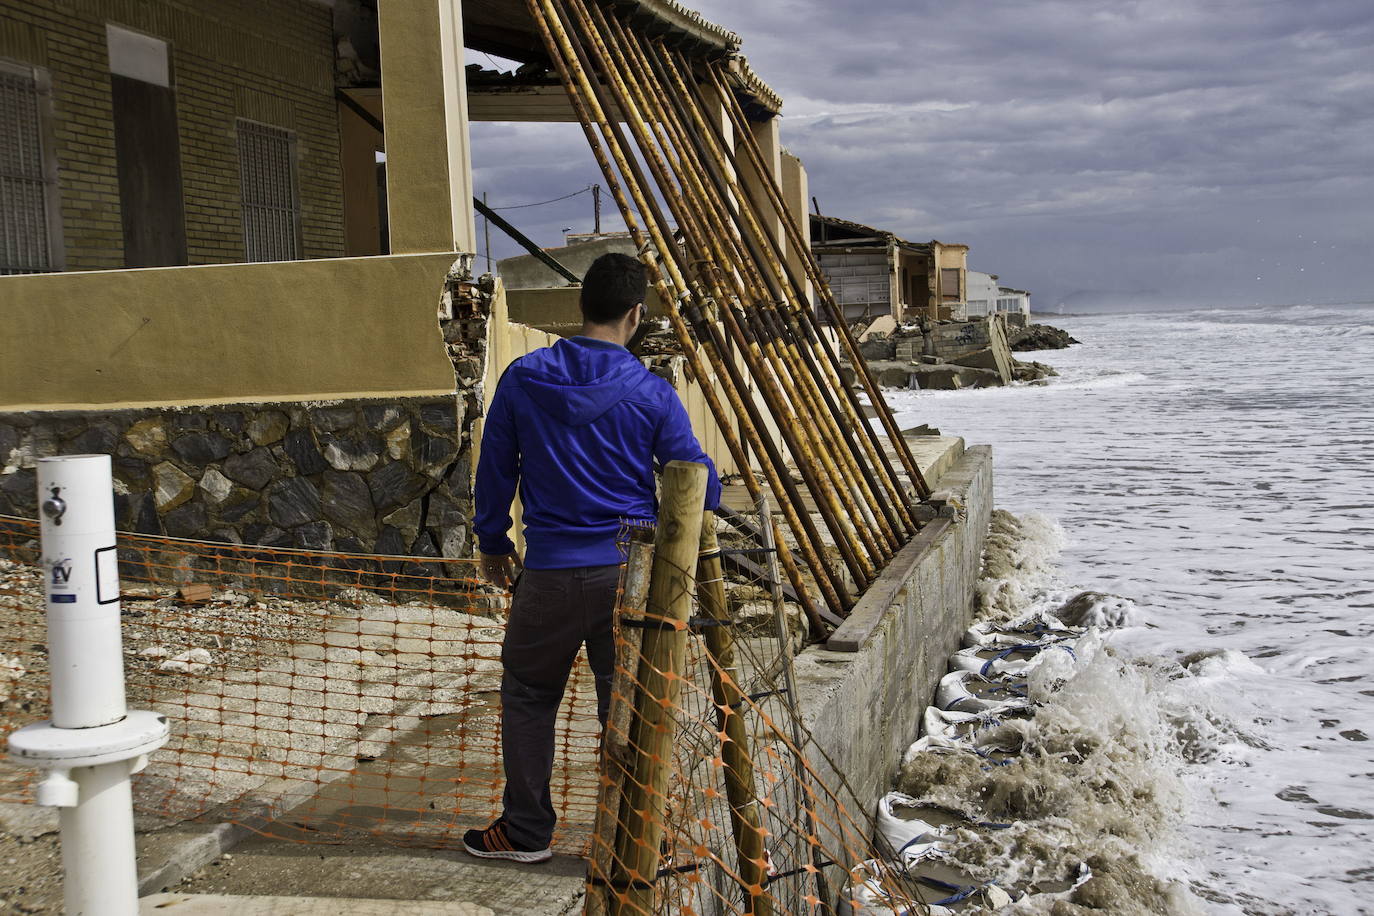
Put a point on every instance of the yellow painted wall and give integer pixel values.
(298, 330)
(704, 425)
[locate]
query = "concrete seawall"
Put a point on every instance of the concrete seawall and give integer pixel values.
(863, 693)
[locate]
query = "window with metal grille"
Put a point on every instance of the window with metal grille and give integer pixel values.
(27, 178)
(271, 203)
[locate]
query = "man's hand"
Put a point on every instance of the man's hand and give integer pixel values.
(500, 568)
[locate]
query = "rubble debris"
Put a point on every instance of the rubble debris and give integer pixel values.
(1033, 372)
(195, 593)
(950, 355)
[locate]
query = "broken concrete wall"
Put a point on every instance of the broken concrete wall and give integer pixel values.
(951, 341)
(996, 356)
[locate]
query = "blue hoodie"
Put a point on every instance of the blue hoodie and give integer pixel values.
(579, 426)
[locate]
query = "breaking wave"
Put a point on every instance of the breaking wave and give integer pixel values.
(1097, 786)
(1226, 493)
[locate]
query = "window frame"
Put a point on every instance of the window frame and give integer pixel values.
(958, 294)
(47, 152)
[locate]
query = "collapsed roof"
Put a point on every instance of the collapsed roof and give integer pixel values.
(833, 232)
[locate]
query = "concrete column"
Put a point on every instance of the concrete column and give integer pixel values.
(424, 98)
(766, 136)
(796, 192)
(715, 114)
(894, 279)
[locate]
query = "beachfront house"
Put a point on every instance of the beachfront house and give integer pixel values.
(873, 272)
(1014, 301)
(982, 295)
(986, 297)
(239, 253)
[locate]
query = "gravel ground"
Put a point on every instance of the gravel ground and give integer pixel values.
(265, 694)
(32, 880)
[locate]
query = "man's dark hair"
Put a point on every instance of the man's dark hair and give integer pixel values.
(614, 284)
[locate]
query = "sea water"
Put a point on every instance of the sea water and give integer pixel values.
(1214, 470)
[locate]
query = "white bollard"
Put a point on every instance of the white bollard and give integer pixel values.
(93, 743)
(85, 652)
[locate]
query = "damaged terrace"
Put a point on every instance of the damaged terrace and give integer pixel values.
(331, 399)
(686, 136)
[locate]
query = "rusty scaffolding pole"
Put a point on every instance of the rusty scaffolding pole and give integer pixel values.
(741, 313)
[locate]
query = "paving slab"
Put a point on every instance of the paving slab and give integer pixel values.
(390, 877)
(224, 904)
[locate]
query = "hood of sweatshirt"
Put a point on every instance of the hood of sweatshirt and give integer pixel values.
(577, 380)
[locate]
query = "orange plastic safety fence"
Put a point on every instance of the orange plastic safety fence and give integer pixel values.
(738, 762)
(313, 696)
(321, 698)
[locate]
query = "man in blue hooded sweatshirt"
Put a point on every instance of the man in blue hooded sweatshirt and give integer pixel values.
(578, 427)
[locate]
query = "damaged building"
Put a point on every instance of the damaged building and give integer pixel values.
(246, 237)
(241, 260)
(873, 272)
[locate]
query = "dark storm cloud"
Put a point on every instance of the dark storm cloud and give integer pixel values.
(1162, 152)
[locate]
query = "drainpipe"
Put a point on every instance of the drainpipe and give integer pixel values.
(93, 743)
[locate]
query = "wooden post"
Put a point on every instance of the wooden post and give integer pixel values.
(616, 759)
(643, 797)
(750, 855)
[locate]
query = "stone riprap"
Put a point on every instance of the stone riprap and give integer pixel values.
(1040, 337)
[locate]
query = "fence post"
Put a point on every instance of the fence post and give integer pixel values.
(735, 747)
(616, 759)
(93, 743)
(630, 888)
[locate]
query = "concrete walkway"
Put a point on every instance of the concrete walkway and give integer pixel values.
(366, 879)
(222, 905)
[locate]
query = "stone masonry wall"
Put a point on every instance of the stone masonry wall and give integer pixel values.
(356, 476)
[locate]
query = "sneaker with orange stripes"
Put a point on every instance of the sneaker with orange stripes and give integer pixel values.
(493, 843)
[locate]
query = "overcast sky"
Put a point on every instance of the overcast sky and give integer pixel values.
(1100, 154)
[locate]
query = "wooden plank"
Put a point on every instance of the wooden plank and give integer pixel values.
(148, 157)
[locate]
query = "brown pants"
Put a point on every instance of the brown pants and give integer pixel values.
(553, 613)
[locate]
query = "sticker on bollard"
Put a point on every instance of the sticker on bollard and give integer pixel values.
(106, 575)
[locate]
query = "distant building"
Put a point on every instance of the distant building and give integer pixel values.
(982, 295)
(873, 272)
(525, 271)
(986, 297)
(1013, 301)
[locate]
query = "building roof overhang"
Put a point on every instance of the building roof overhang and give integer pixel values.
(505, 28)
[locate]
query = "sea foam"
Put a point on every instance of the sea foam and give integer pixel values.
(1098, 780)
